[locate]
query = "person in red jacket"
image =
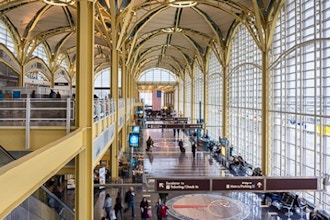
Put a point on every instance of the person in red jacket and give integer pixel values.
(163, 211)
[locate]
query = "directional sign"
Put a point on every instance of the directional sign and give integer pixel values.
(182, 184)
(238, 184)
(177, 126)
(284, 184)
(180, 119)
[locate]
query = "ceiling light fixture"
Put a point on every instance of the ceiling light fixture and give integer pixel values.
(59, 2)
(172, 30)
(182, 3)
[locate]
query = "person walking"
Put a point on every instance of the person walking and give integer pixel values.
(119, 206)
(144, 206)
(182, 150)
(107, 205)
(150, 143)
(193, 149)
(129, 200)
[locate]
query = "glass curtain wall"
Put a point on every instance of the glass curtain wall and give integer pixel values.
(301, 94)
(245, 97)
(188, 96)
(214, 121)
(102, 83)
(181, 92)
(199, 94)
(6, 39)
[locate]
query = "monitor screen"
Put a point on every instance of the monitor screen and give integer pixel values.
(134, 140)
(223, 142)
(136, 129)
(139, 112)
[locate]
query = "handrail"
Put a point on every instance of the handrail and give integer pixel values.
(43, 188)
(12, 176)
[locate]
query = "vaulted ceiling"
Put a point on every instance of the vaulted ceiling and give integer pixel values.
(154, 33)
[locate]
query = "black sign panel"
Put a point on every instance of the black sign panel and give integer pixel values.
(177, 126)
(183, 184)
(193, 126)
(177, 119)
(238, 184)
(284, 184)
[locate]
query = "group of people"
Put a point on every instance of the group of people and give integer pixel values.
(52, 94)
(183, 150)
(145, 208)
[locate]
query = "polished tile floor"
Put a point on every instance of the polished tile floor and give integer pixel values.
(166, 161)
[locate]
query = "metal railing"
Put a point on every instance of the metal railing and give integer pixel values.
(36, 205)
(30, 112)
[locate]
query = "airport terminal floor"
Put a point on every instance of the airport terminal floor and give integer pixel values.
(166, 161)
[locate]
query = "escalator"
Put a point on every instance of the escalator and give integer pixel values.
(41, 205)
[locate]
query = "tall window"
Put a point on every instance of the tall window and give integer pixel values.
(199, 94)
(157, 76)
(301, 93)
(188, 95)
(40, 52)
(102, 84)
(6, 39)
(245, 97)
(214, 98)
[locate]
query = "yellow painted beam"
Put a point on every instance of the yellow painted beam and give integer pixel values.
(20, 178)
(85, 88)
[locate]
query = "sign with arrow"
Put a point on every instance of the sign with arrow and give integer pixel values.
(183, 184)
(237, 184)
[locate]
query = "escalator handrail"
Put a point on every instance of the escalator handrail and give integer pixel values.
(48, 192)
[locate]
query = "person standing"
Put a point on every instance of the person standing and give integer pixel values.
(163, 211)
(52, 94)
(107, 205)
(158, 207)
(119, 206)
(58, 95)
(144, 206)
(129, 199)
(193, 149)
(33, 94)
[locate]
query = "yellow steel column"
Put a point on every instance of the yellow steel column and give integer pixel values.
(114, 88)
(85, 81)
(21, 78)
(124, 92)
(178, 102)
(184, 95)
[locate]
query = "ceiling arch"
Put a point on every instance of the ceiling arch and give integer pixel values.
(152, 32)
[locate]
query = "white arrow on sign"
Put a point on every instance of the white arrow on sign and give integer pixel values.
(259, 184)
(161, 185)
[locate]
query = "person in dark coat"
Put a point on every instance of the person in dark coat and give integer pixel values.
(118, 206)
(52, 94)
(193, 149)
(144, 206)
(129, 199)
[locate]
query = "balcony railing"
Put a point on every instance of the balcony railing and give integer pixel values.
(30, 112)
